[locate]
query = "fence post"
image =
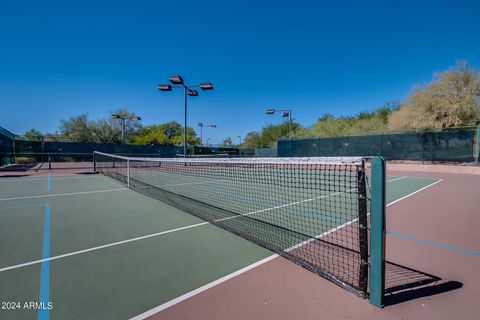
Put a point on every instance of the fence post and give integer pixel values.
(381, 145)
(477, 145)
(94, 163)
(477, 152)
(128, 173)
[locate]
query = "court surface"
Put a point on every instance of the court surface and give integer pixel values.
(85, 247)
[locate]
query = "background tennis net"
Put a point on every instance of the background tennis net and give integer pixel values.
(312, 211)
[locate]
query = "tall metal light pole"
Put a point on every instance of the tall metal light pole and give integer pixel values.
(201, 125)
(122, 122)
(240, 139)
(285, 113)
(177, 82)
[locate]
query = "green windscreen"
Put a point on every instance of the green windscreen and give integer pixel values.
(452, 145)
(6, 146)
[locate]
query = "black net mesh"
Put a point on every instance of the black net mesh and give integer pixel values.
(214, 150)
(312, 211)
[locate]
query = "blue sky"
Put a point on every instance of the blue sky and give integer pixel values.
(59, 59)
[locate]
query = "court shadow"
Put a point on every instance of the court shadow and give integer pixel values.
(404, 284)
(14, 176)
(17, 167)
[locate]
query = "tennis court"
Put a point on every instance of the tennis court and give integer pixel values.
(95, 249)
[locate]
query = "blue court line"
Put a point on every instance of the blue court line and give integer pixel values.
(20, 207)
(435, 244)
(44, 296)
(49, 181)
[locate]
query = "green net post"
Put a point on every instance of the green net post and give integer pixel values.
(377, 233)
(477, 152)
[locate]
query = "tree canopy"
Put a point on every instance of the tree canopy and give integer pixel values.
(227, 142)
(33, 135)
(170, 133)
(451, 100)
(105, 130)
(362, 123)
(270, 133)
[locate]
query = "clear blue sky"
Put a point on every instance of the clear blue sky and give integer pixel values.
(59, 59)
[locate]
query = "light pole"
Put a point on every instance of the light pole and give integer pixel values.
(285, 113)
(122, 119)
(239, 139)
(201, 125)
(208, 139)
(177, 82)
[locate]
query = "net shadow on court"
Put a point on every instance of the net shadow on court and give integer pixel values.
(405, 284)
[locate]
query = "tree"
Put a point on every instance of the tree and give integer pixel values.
(33, 135)
(269, 135)
(364, 122)
(76, 129)
(251, 140)
(170, 133)
(227, 142)
(110, 129)
(105, 130)
(451, 100)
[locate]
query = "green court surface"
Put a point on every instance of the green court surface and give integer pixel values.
(97, 250)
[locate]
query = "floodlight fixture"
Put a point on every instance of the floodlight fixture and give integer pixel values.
(177, 82)
(286, 113)
(122, 122)
(176, 79)
(164, 87)
(201, 125)
(206, 86)
(192, 92)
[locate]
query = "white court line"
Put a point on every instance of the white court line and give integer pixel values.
(63, 194)
(180, 184)
(142, 237)
(396, 179)
(421, 178)
(100, 247)
(202, 288)
(415, 192)
(281, 206)
(54, 177)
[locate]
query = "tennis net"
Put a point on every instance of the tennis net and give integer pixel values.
(312, 211)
